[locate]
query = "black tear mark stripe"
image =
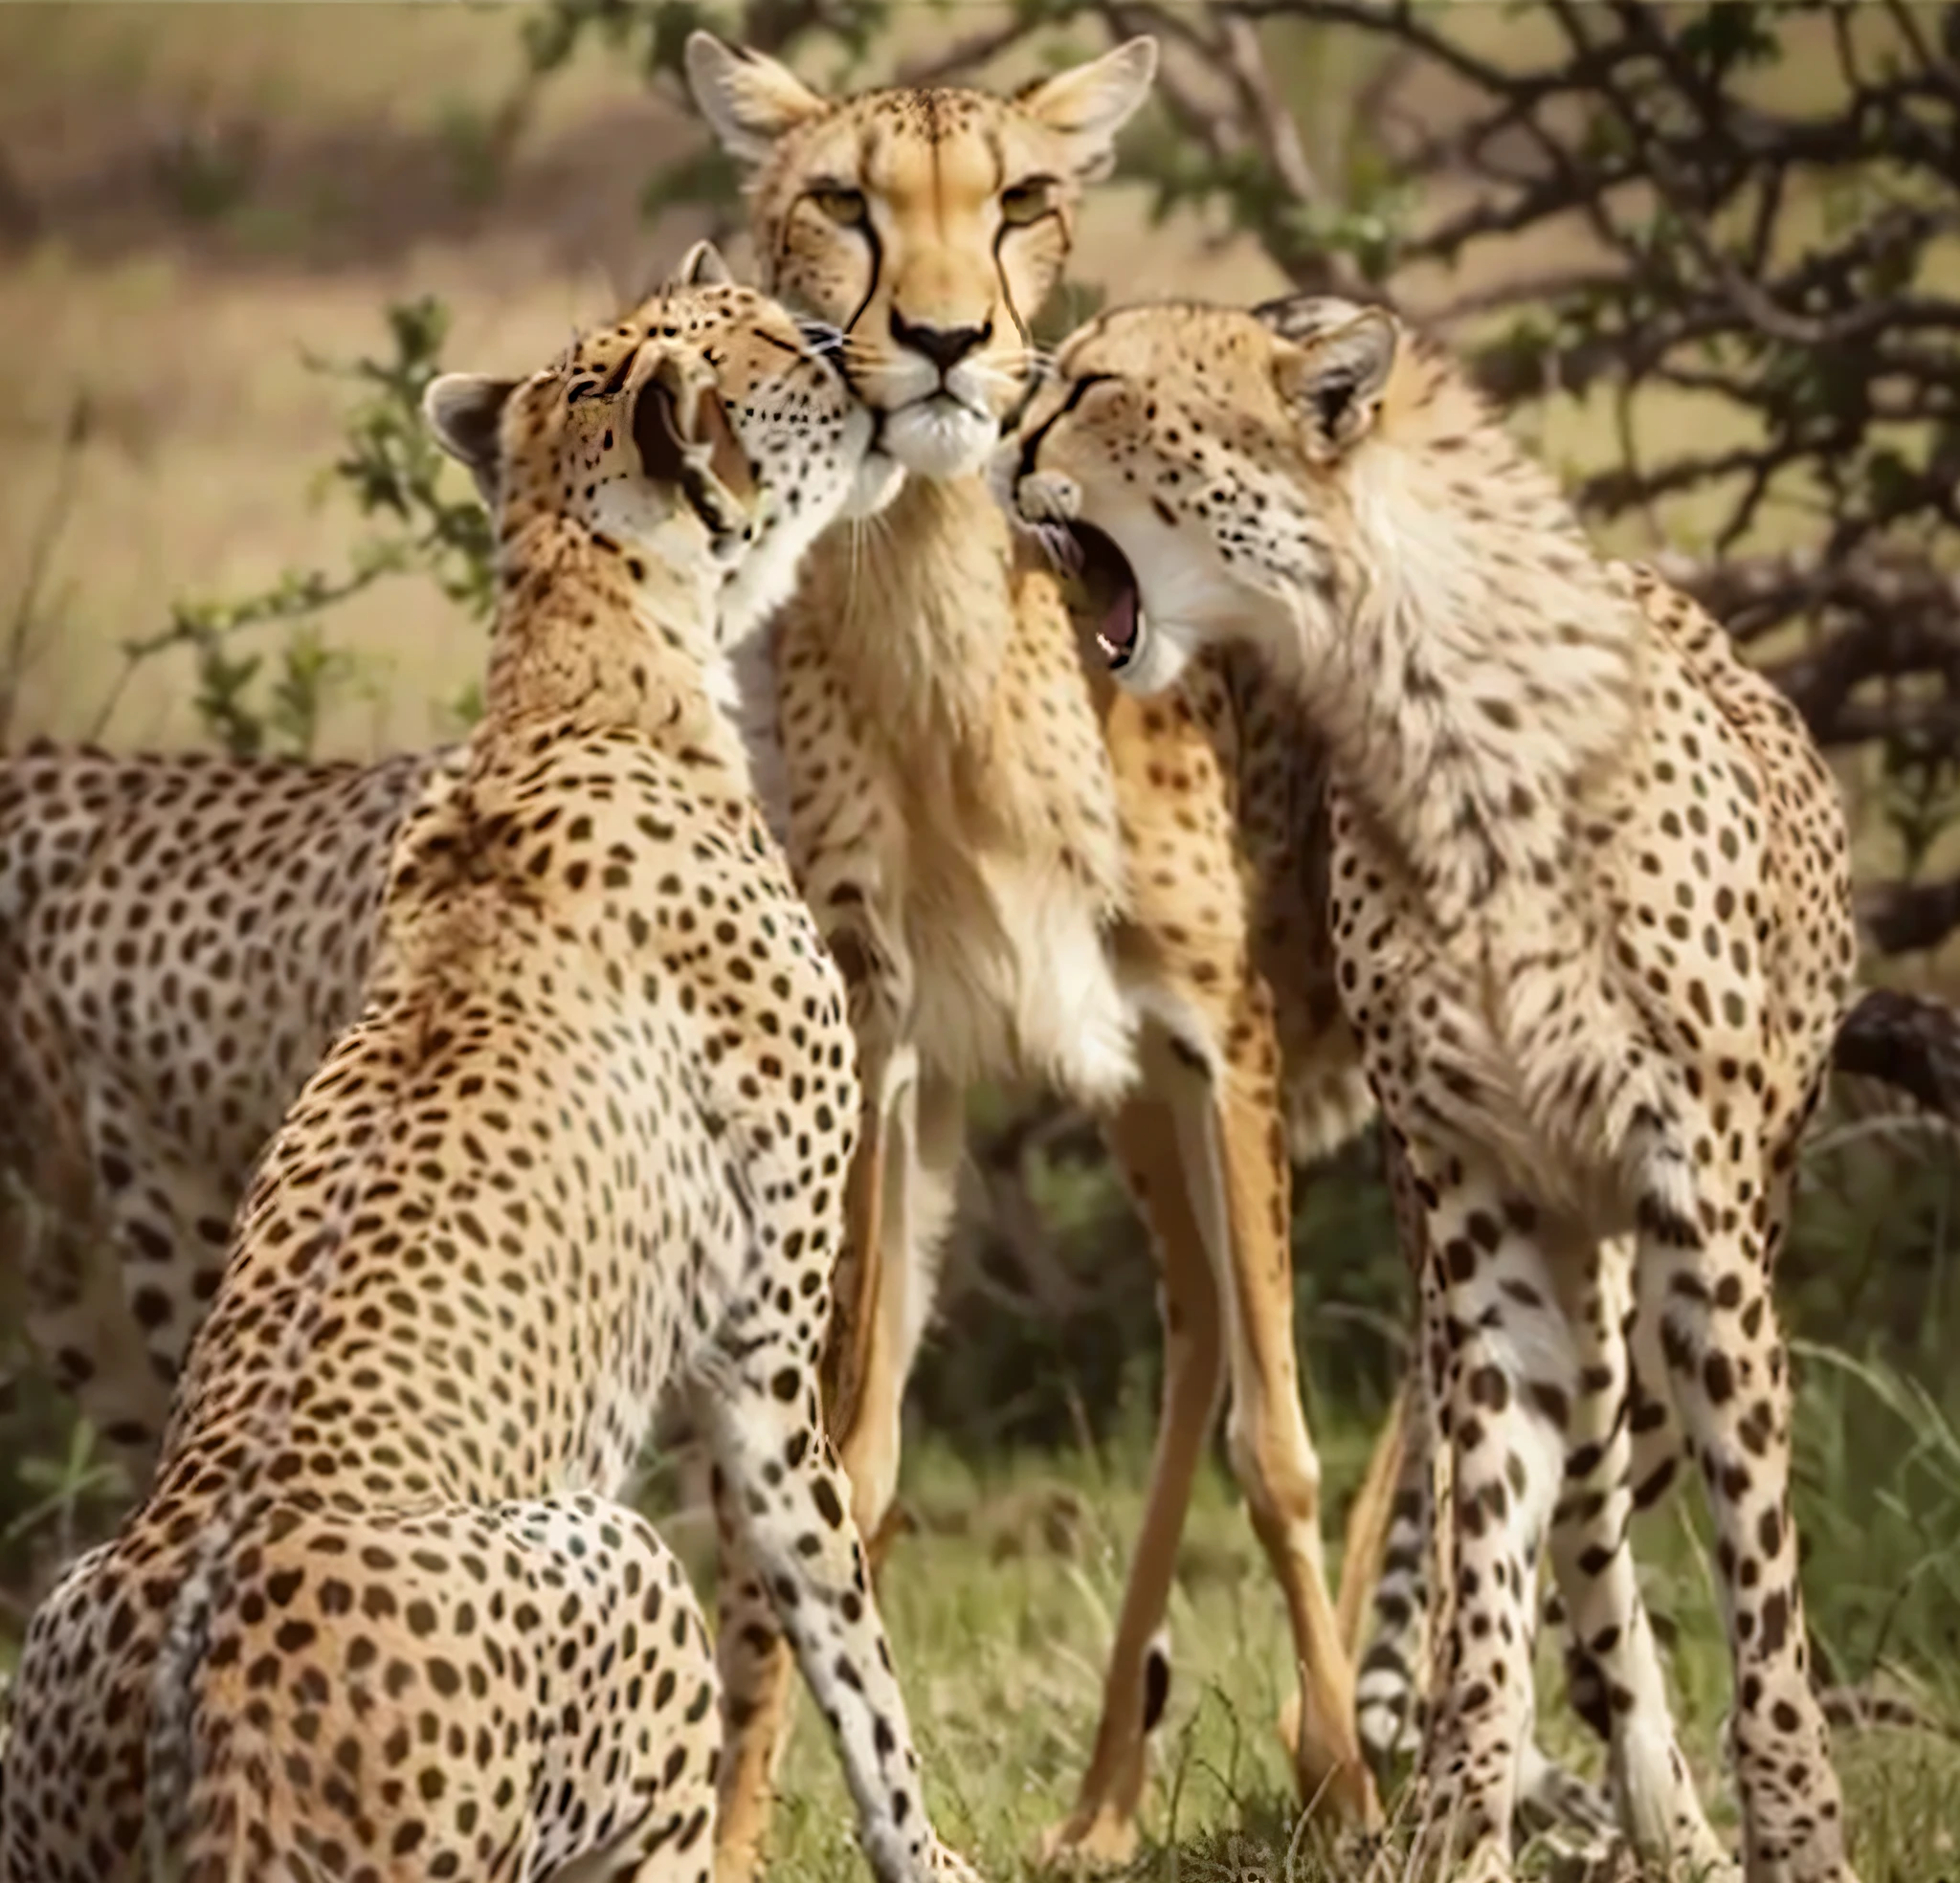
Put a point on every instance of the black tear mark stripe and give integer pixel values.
(1007, 293)
(997, 157)
(867, 150)
(877, 248)
(1029, 451)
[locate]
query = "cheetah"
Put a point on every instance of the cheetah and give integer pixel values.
(588, 1135)
(1027, 876)
(1591, 911)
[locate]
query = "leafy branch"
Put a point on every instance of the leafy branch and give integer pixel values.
(392, 469)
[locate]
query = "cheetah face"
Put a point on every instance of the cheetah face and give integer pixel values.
(928, 225)
(707, 431)
(1195, 464)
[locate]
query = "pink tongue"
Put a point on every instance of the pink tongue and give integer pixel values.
(1119, 623)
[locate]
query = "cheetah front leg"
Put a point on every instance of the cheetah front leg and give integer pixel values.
(1552, 1797)
(898, 1202)
(1233, 1165)
(1101, 1830)
(855, 1359)
(903, 1230)
(795, 1564)
(1503, 1367)
(904, 1179)
(1609, 1632)
(1390, 1715)
(1728, 1371)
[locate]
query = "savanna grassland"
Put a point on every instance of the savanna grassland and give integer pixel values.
(203, 205)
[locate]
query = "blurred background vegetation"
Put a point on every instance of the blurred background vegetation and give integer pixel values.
(1707, 255)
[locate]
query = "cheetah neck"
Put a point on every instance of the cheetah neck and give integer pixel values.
(592, 636)
(912, 608)
(1483, 681)
(1478, 682)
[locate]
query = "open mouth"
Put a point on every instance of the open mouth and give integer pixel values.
(1109, 589)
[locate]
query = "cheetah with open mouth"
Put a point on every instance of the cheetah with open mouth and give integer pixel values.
(1591, 918)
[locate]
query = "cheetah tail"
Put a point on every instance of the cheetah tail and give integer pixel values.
(1365, 1540)
(1855, 1709)
(170, 1748)
(1910, 1041)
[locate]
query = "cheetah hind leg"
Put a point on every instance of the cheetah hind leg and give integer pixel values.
(533, 1676)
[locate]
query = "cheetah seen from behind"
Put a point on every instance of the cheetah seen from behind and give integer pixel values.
(1591, 917)
(588, 1136)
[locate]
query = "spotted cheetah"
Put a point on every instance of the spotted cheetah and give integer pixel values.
(588, 1136)
(1025, 874)
(1591, 915)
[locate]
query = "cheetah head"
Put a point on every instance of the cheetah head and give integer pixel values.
(708, 430)
(1199, 466)
(928, 223)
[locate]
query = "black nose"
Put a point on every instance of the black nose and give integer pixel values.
(945, 347)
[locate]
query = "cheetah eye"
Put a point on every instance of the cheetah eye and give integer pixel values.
(845, 207)
(1027, 201)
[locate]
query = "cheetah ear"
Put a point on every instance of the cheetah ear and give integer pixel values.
(748, 100)
(1336, 383)
(1304, 318)
(464, 411)
(1089, 103)
(680, 428)
(703, 267)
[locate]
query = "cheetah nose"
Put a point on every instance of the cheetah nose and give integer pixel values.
(945, 347)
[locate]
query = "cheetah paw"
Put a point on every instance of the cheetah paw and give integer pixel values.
(946, 1865)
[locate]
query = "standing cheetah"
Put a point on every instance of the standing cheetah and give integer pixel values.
(1027, 875)
(588, 1136)
(1592, 914)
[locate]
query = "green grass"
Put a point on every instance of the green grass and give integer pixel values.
(1001, 1604)
(1002, 1598)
